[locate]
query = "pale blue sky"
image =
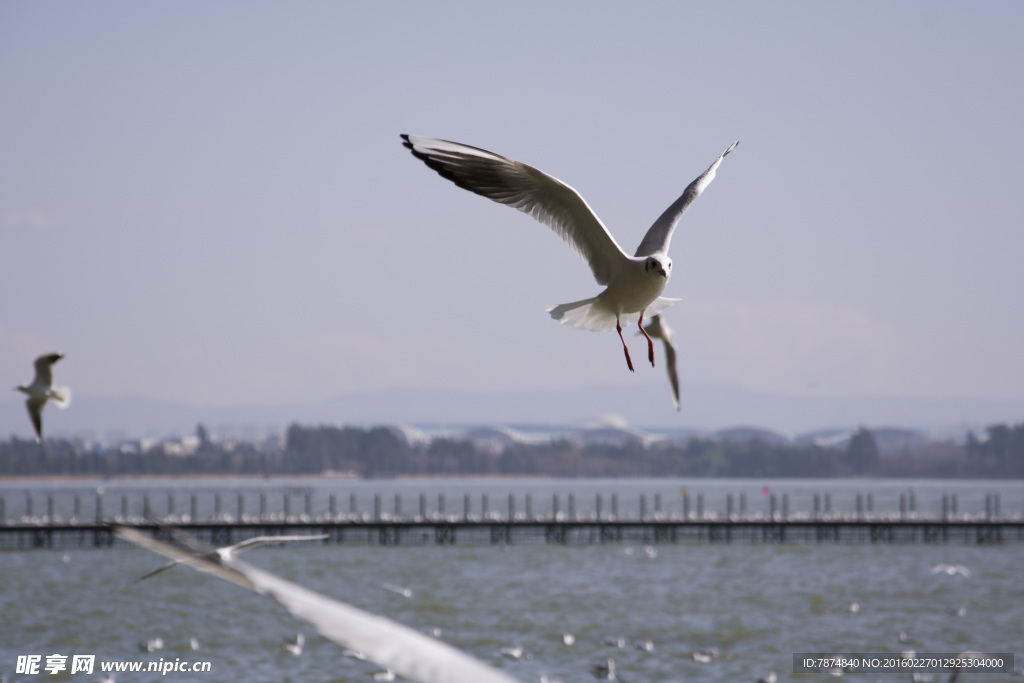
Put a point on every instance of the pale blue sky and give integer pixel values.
(209, 202)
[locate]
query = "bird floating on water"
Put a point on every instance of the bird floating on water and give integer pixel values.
(634, 284)
(294, 645)
(951, 570)
(42, 390)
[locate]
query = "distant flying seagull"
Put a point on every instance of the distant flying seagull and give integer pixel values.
(659, 329)
(633, 283)
(42, 390)
(405, 651)
(231, 550)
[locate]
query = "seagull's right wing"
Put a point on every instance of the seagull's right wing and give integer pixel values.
(408, 652)
(657, 327)
(670, 366)
(268, 540)
(43, 364)
(523, 187)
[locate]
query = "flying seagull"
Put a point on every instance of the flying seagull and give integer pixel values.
(230, 550)
(405, 651)
(42, 390)
(659, 329)
(633, 284)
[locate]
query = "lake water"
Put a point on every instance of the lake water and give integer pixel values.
(757, 604)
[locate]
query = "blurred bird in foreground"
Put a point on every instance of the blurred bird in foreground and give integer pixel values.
(399, 648)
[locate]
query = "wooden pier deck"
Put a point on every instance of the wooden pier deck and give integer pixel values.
(82, 519)
(405, 532)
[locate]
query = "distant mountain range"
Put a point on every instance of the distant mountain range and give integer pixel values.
(705, 407)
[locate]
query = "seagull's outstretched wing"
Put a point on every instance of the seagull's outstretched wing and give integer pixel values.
(43, 365)
(400, 648)
(523, 187)
(659, 329)
(227, 551)
(257, 541)
(35, 412)
(158, 570)
(660, 234)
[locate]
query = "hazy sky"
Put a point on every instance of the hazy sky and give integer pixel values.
(210, 203)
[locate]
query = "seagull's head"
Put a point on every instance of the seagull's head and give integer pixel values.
(659, 264)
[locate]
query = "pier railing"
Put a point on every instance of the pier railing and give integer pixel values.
(75, 521)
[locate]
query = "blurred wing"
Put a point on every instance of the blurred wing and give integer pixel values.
(660, 234)
(44, 372)
(657, 327)
(267, 540)
(35, 412)
(523, 187)
(183, 555)
(392, 645)
(158, 570)
(670, 366)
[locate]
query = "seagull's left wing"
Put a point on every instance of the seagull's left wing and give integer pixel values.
(660, 234)
(533, 192)
(35, 412)
(412, 654)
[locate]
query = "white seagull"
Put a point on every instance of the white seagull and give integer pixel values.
(659, 329)
(42, 390)
(634, 284)
(403, 650)
(229, 551)
(951, 570)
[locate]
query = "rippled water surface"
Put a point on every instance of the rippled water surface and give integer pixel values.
(757, 604)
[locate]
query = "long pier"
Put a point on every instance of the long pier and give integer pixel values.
(567, 532)
(208, 520)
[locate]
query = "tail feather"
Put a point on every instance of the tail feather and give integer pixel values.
(590, 314)
(61, 396)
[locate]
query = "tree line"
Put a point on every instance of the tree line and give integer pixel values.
(379, 452)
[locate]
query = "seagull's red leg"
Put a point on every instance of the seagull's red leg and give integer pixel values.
(625, 348)
(650, 342)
